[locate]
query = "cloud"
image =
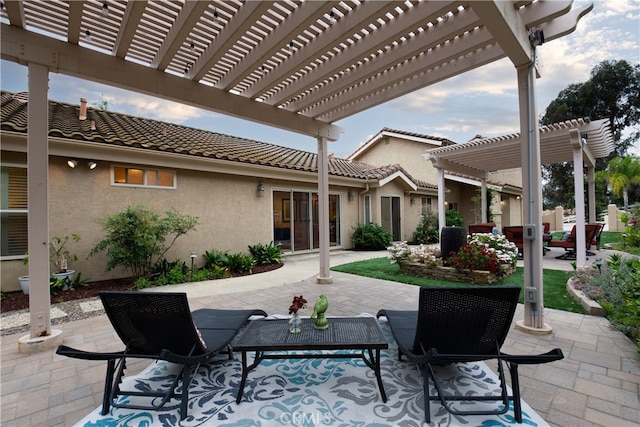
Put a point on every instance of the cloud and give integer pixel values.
(159, 109)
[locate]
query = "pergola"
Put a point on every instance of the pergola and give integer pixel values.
(580, 141)
(296, 65)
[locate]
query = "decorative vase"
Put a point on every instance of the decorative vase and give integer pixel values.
(295, 324)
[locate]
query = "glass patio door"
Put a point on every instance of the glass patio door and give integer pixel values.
(390, 215)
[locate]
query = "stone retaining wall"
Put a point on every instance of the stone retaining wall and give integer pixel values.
(479, 277)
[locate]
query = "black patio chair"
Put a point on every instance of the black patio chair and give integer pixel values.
(160, 326)
(462, 324)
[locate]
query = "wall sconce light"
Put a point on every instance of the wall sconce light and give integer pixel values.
(412, 200)
(72, 163)
(350, 195)
(92, 165)
(446, 203)
(260, 190)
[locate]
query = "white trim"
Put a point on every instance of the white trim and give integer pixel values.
(398, 174)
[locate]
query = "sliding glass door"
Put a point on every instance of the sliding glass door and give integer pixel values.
(295, 220)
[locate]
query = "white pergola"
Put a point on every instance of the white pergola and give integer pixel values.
(296, 65)
(580, 141)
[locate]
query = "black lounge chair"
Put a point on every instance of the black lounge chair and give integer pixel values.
(160, 326)
(462, 324)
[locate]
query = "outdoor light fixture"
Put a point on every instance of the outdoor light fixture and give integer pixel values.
(193, 258)
(105, 9)
(88, 35)
(412, 200)
(536, 38)
(332, 17)
(350, 195)
(215, 15)
(192, 47)
(72, 163)
(92, 165)
(599, 263)
(260, 190)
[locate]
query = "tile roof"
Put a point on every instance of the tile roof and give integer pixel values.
(444, 141)
(118, 129)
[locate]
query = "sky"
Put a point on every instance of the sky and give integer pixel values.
(481, 102)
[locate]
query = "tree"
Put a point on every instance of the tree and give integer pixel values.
(136, 237)
(623, 172)
(612, 92)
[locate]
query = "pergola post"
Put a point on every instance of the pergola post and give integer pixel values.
(483, 200)
(41, 336)
(442, 218)
(324, 276)
(532, 205)
(591, 191)
(578, 183)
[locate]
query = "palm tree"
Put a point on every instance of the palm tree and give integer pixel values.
(623, 172)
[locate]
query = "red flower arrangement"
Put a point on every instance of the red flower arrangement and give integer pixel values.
(298, 303)
(475, 257)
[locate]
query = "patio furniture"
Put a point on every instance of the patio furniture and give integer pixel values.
(591, 231)
(515, 235)
(160, 326)
(463, 324)
(271, 339)
(484, 227)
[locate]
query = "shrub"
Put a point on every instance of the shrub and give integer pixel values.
(240, 263)
(476, 257)
(266, 254)
(401, 252)
(454, 218)
(199, 275)
(616, 286)
(631, 220)
(427, 231)
(136, 237)
(215, 259)
(371, 237)
(142, 283)
(506, 251)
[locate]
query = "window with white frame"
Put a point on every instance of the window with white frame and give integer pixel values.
(143, 177)
(14, 235)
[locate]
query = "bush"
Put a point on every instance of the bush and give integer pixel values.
(136, 238)
(616, 287)
(266, 254)
(401, 252)
(240, 263)
(631, 220)
(215, 259)
(371, 237)
(506, 251)
(476, 257)
(454, 218)
(428, 230)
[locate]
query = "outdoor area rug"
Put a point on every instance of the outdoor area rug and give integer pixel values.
(313, 392)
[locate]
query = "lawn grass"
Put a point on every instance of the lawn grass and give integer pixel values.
(555, 294)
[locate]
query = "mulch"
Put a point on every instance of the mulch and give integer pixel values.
(13, 301)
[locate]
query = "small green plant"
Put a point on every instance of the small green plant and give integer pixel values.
(143, 283)
(199, 275)
(371, 237)
(215, 259)
(453, 217)
(239, 263)
(427, 231)
(266, 254)
(631, 219)
(59, 254)
(58, 285)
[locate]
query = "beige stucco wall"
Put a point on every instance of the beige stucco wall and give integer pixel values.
(231, 215)
(407, 153)
(507, 176)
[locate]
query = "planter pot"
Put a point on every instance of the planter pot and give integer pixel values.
(451, 240)
(70, 274)
(24, 284)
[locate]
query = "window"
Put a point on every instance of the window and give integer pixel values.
(138, 177)
(367, 209)
(14, 237)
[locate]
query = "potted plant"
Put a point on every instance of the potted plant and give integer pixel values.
(60, 257)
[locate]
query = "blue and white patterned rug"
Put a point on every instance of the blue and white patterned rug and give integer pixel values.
(312, 392)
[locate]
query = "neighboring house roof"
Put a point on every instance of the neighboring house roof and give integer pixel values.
(112, 128)
(412, 136)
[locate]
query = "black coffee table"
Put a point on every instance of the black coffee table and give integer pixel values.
(271, 339)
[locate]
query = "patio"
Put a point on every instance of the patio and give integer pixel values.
(597, 384)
